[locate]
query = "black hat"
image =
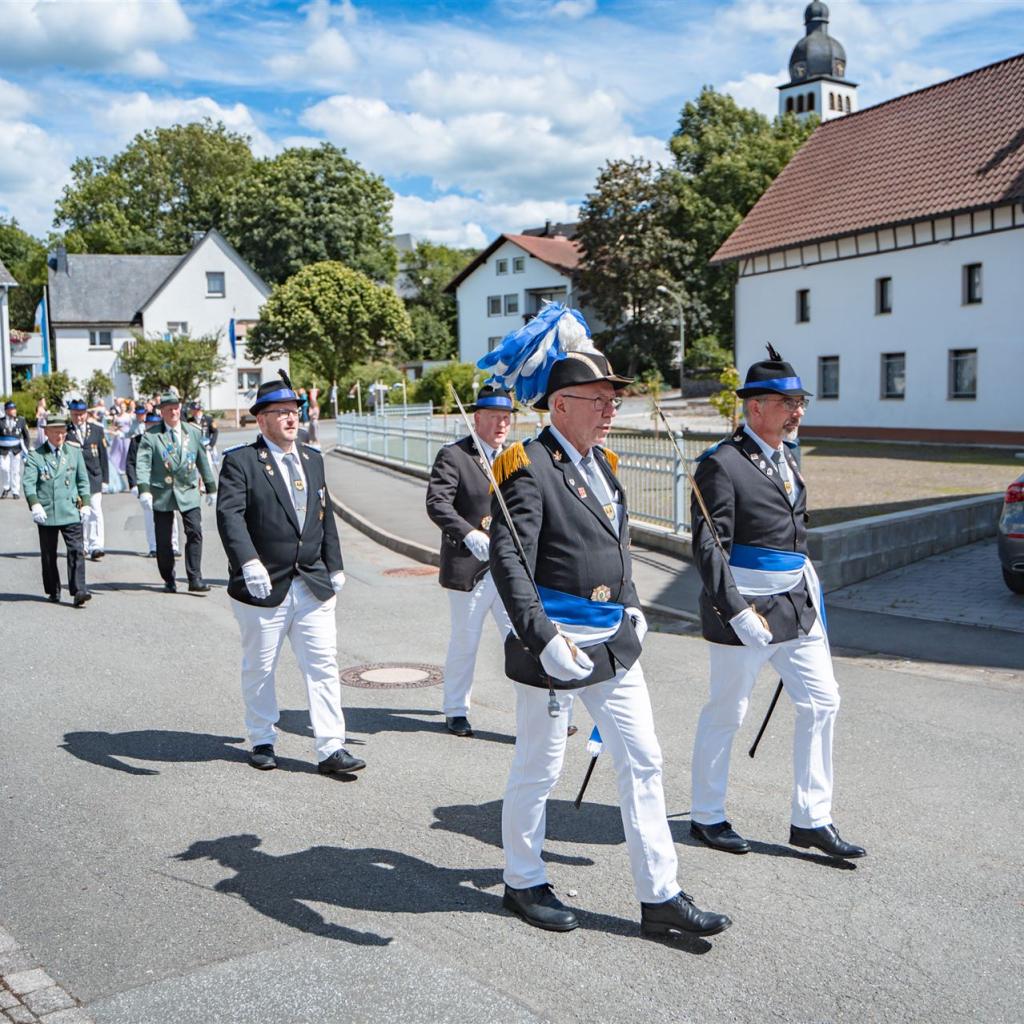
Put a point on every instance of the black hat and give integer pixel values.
(493, 396)
(772, 376)
(77, 405)
(580, 368)
(195, 406)
(271, 391)
(56, 421)
(10, 405)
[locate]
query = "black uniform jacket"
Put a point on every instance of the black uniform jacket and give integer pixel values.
(748, 506)
(133, 455)
(571, 546)
(18, 430)
(92, 442)
(459, 501)
(256, 519)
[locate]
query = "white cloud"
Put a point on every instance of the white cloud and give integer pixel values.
(539, 10)
(126, 116)
(574, 9)
(33, 171)
(327, 58)
(757, 90)
(107, 35)
(14, 101)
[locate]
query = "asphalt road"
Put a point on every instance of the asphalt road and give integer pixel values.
(157, 877)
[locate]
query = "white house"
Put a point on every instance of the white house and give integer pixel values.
(508, 283)
(99, 303)
(7, 282)
(884, 264)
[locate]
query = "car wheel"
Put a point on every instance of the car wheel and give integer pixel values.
(1014, 580)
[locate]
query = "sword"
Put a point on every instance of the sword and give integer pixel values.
(764, 724)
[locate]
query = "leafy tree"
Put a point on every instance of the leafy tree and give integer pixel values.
(309, 205)
(150, 198)
(53, 387)
(97, 385)
(433, 385)
(427, 270)
(725, 157)
(184, 363)
(366, 374)
(706, 357)
(432, 338)
(727, 402)
(333, 317)
(25, 257)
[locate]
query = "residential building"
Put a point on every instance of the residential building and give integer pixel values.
(100, 303)
(7, 282)
(884, 263)
(817, 73)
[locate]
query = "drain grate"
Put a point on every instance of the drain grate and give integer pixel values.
(394, 675)
(416, 570)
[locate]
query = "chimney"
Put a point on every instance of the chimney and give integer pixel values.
(547, 228)
(58, 260)
(197, 237)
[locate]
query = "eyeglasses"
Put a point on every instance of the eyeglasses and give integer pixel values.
(281, 413)
(792, 404)
(599, 404)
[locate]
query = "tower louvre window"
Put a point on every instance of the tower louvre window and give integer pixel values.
(810, 102)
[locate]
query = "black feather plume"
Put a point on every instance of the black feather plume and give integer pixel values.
(772, 353)
(287, 380)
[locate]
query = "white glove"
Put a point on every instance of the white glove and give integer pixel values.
(104, 488)
(210, 500)
(337, 581)
(85, 512)
(135, 490)
(478, 543)
(639, 622)
(146, 497)
(557, 660)
(38, 514)
(257, 579)
(750, 629)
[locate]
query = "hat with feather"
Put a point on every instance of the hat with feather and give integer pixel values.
(771, 376)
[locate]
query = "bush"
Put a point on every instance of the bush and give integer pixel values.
(53, 387)
(707, 357)
(433, 385)
(366, 374)
(726, 401)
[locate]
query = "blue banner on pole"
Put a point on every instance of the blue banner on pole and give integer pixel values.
(232, 338)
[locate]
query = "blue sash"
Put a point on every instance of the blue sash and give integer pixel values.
(586, 622)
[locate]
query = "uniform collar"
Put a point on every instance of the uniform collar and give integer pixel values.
(762, 443)
(276, 450)
(574, 455)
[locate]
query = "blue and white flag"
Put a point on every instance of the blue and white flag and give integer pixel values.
(233, 338)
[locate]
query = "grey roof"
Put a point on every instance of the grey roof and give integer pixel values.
(5, 276)
(105, 289)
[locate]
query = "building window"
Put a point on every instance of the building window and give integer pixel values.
(847, 104)
(963, 373)
(883, 295)
(828, 376)
(101, 339)
(215, 284)
(972, 284)
(894, 374)
(831, 101)
(501, 267)
(519, 265)
(511, 304)
(803, 306)
(493, 343)
(248, 380)
(176, 327)
(494, 305)
(799, 104)
(789, 104)
(810, 101)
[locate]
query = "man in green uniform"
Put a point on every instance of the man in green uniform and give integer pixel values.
(57, 489)
(171, 459)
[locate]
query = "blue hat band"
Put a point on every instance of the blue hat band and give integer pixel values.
(494, 402)
(77, 405)
(776, 384)
(282, 395)
(153, 417)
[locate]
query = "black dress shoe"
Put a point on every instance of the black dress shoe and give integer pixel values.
(55, 598)
(340, 761)
(720, 836)
(539, 906)
(262, 757)
(571, 731)
(199, 588)
(680, 914)
(170, 587)
(826, 839)
(79, 599)
(96, 555)
(459, 725)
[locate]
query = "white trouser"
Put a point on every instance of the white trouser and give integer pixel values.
(10, 471)
(92, 524)
(621, 709)
(805, 666)
(147, 522)
(469, 610)
(309, 624)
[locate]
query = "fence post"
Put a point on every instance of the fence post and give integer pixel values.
(405, 440)
(679, 488)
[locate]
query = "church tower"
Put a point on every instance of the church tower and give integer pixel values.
(817, 73)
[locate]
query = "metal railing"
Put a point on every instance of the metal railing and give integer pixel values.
(649, 466)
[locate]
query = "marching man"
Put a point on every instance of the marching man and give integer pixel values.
(13, 449)
(277, 525)
(90, 440)
(459, 502)
(761, 604)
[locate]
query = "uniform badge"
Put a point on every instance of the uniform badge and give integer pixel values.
(321, 514)
(299, 485)
(263, 455)
(485, 523)
(753, 456)
(557, 455)
(768, 470)
(763, 464)
(168, 480)
(601, 593)
(609, 511)
(789, 487)
(581, 491)
(270, 471)
(305, 456)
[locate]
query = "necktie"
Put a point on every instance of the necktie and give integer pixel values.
(297, 488)
(783, 467)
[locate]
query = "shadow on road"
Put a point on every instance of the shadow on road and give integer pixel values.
(375, 720)
(165, 745)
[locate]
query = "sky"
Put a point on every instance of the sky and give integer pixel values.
(482, 117)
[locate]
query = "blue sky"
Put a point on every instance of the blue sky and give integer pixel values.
(483, 117)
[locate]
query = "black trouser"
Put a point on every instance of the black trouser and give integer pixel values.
(76, 558)
(163, 524)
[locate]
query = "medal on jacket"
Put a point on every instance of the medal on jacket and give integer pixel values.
(581, 491)
(789, 487)
(168, 479)
(601, 593)
(485, 523)
(609, 511)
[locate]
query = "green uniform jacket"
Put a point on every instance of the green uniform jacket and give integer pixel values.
(59, 483)
(172, 477)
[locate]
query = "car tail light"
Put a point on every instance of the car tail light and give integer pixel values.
(1015, 492)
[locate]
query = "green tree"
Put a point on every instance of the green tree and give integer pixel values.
(427, 270)
(707, 357)
(433, 385)
(727, 402)
(432, 338)
(184, 363)
(333, 317)
(98, 385)
(53, 387)
(309, 205)
(725, 157)
(25, 257)
(152, 196)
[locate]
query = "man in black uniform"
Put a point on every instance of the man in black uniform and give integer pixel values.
(13, 449)
(459, 502)
(761, 603)
(207, 427)
(277, 525)
(90, 439)
(580, 637)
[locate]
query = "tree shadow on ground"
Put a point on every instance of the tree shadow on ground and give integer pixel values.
(371, 721)
(367, 880)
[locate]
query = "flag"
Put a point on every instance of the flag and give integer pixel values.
(42, 325)
(233, 338)
(594, 744)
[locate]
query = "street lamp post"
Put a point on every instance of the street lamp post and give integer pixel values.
(677, 298)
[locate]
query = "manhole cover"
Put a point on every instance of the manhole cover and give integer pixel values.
(416, 570)
(392, 676)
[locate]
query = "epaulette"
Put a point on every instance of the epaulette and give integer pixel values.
(710, 451)
(511, 460)
(613, 460)
(313, 447)
(235, 447)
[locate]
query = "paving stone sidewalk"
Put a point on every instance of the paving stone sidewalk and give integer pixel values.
(28, 994)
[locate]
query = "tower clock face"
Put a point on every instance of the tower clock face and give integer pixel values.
(799, 69)
(840, 68)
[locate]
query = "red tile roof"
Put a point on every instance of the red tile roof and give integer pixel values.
(952, 147)
(559, 252)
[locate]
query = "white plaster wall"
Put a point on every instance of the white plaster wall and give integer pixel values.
(74, 356)
(928, 319)
(5, 345)
(820, 89)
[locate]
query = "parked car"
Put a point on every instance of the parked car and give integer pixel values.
(1011, 536)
